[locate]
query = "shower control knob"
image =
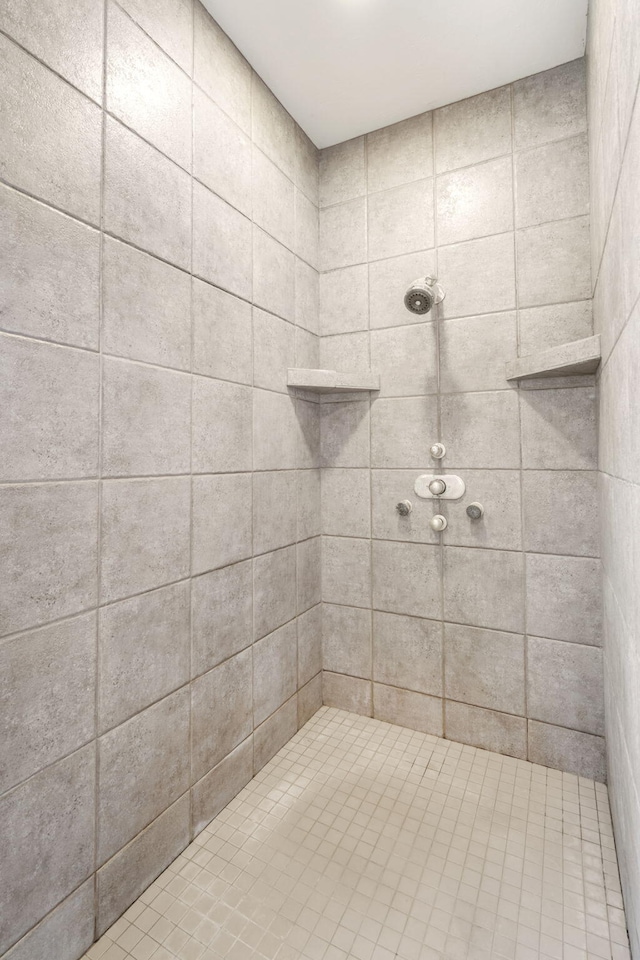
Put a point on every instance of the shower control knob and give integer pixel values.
(475, 510)
(438, 451)
(404, 508)
(438, 523)
(437, 487)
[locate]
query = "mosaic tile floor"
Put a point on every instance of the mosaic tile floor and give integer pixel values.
(365, 841)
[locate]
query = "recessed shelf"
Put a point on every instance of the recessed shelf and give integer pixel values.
(574, 359)
(330, 381)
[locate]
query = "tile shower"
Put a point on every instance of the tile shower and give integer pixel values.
(197, 558)
(489, 634)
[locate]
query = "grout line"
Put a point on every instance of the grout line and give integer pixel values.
(34, 56)
(630, 317)
(97, 782)
(440, 174)
(130, 243)
(371, 401)
(165, 53)
(155, 256)
(463, 316)
(555, 383)
(466, 703)
(623, 154)
(39, 925)
(252, 81)
(40, 201)
(191, 392)
(463, 546)
(520, 395)
(149, 477)
(439, 466)
(459, 243)
(189, 682)
(439, 393)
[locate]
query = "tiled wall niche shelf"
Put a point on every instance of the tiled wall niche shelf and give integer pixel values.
(578, 358)
(331, 381)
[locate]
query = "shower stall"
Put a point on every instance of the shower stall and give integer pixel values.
(319, 596)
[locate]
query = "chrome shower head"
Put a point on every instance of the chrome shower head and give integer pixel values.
(423, 294)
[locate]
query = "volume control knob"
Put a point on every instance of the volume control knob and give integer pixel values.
(437, 487)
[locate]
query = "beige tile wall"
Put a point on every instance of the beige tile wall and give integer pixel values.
(160, 488)
(492, 633)
(613, 71)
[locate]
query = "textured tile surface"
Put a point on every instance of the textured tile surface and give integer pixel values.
(221, 243)
(550, 106)
(49, 271)
(407, 652)
(69, 44)
(221, 712)
(220, 69)
(138, 553)
(507, 174)
(144, 763)
(147, 199)
(151, 537)
(475, 202)
(473, 352)
(136, 70)
(222, 520)
(365, 840)
(484, 668)
(400, 153)
(484, 588)
(47, 696)
(342, 172)
(473, 130)
(51, 136)
(153, 296)
(273, 275)
(273, 129)
(221, 153)
(400, 220)
(479, 276)
(221, 615)
(49, 401)
(146, 308)
(51, 567)
(614, 149)
(169, 23)
(343, 234)
(144, 652)
(53, 814)
(146, 416)
(346, 640)
(553, 262)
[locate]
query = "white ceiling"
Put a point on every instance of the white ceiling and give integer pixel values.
(346, 67)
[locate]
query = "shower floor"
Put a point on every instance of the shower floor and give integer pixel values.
(366, 841)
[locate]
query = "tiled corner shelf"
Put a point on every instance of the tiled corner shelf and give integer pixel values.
(330, 381)
(569, 360)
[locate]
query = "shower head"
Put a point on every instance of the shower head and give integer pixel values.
(423, 294)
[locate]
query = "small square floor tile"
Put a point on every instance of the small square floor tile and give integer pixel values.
(361, 840)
